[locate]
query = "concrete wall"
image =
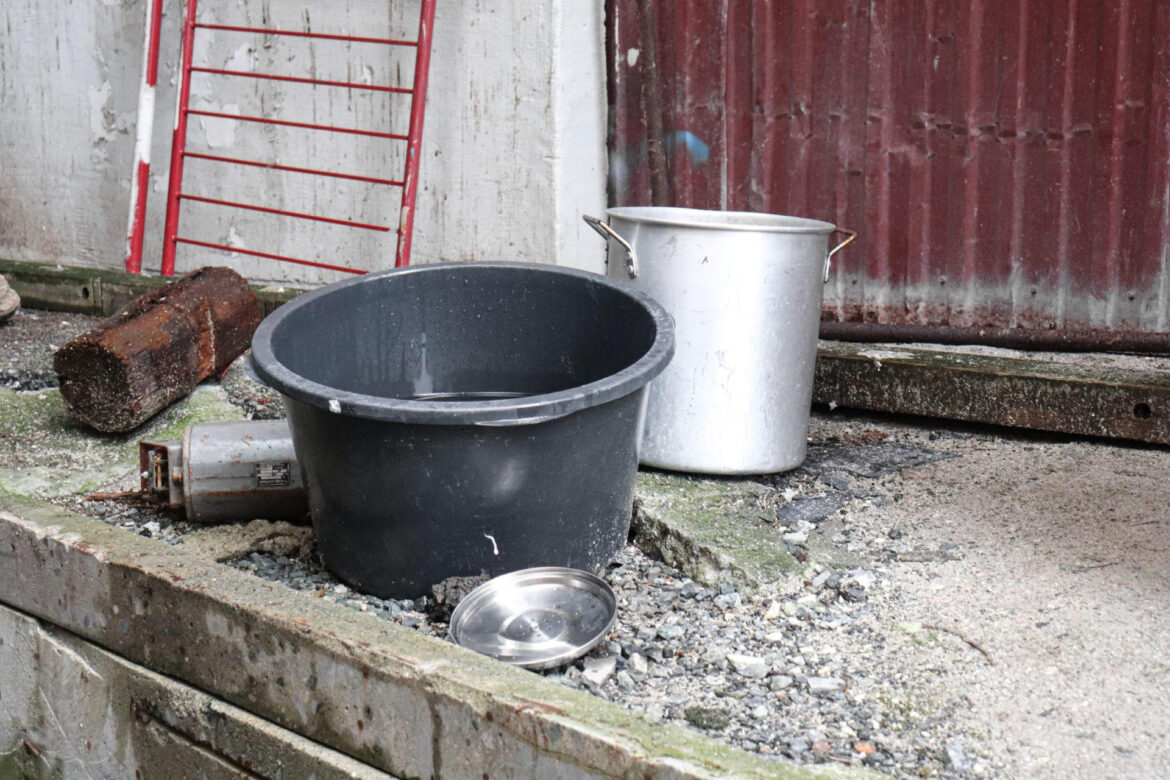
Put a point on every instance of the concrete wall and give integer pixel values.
(71, 709)
(513, 149)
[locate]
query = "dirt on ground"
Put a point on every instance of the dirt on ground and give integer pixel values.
(1028, 594)
(1018, 619)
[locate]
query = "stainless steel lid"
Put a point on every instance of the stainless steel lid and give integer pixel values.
(535, 618)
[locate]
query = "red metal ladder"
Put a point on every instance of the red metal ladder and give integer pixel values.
(413, 137)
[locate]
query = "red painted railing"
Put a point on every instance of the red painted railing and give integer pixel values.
(179, 154)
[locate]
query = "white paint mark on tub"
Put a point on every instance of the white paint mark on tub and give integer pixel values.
(335, 406)
(492, 539)
(632, 57)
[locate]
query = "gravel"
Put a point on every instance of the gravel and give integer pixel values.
(27, 343)
(758, 671)
(764, 679)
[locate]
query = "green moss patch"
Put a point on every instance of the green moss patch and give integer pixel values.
(46, 453)
(712, 530)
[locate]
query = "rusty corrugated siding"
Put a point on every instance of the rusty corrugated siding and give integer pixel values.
(1006, 162)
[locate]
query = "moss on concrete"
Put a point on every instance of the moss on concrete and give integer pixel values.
(99, 290)
(20, 761)
(712, 530)
(45, 453)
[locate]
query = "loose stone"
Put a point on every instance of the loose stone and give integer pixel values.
(598, 670)
(727, 600)
(749, 666)
(823, 686)
(779, 682)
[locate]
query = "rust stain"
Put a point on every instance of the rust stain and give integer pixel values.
(1005, 164)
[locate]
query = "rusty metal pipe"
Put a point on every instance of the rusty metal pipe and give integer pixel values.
(1011, 338)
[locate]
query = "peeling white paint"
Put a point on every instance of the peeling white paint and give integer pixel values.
(101, 121)
(219, 133)
(632, 57)
(234, 239)
(243, 59)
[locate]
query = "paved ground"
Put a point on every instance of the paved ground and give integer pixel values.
(1028, 594)
(1018, 623)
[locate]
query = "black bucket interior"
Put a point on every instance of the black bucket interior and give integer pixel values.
(464, 336)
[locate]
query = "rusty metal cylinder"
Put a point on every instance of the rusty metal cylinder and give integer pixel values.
(227, 471)
(134, 364)
(237, 470)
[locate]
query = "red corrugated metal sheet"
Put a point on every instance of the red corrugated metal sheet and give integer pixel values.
(1006, 162)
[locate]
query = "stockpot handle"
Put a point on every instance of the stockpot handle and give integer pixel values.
(829, 257)
(605, 231)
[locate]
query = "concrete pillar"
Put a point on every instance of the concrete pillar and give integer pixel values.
(515, 140)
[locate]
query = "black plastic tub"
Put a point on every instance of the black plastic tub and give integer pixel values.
(465, 418)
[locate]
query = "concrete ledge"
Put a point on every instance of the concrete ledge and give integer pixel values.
(1028, 391)
(99, 290)
(711, 530)
(401, 702)
(70, 708)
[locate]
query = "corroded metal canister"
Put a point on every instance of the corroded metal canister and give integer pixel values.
(745, 293)
(227, 471)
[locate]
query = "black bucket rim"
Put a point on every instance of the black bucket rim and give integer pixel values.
(507, 411)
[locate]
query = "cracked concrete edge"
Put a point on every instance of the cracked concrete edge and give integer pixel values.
(709, 529)
(1026, 391)
(402, 702)
(70, 707)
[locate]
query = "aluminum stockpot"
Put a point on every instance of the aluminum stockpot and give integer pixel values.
(745, 292)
